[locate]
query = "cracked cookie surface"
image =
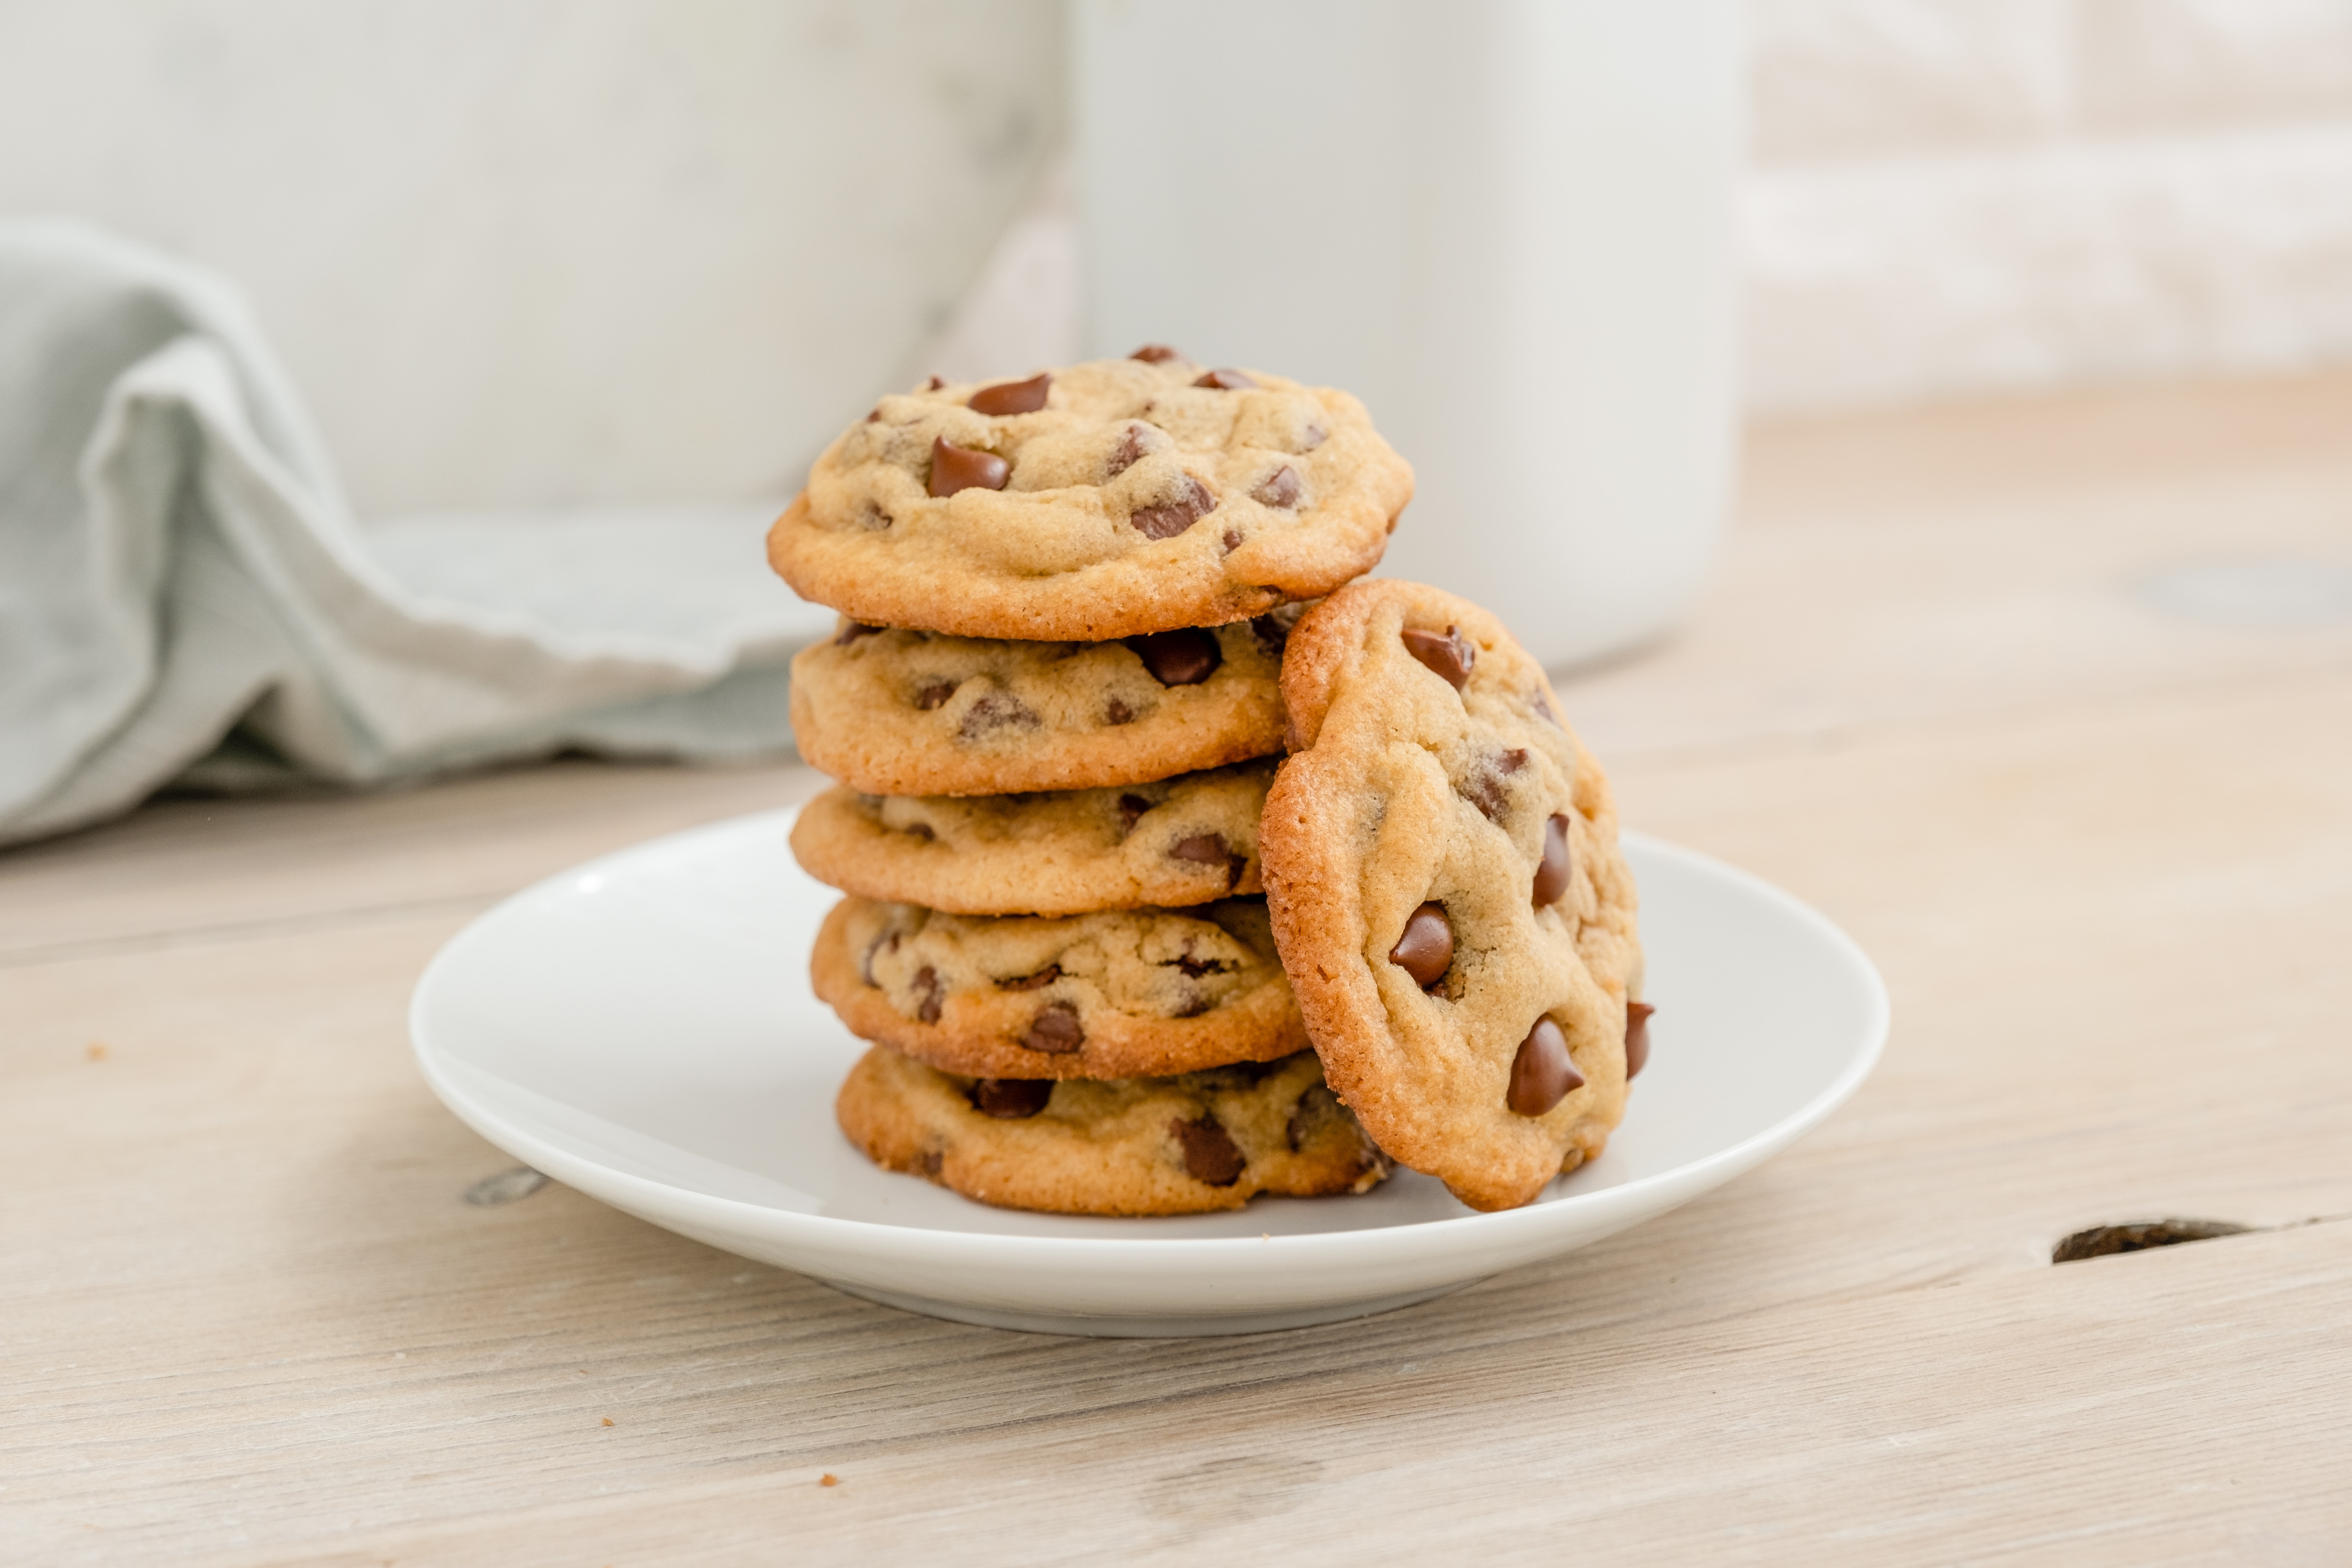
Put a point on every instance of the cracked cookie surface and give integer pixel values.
(1184, 840)
(1097, 501)
(1116, 994)
(1190, 1143)
(899, 712)
(1446, 890)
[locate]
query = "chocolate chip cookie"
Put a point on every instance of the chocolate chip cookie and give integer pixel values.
(1187, 1144)
(1447, 893)
(1099, 500)
(1185, 840)
(1115, 994)
(909, 713)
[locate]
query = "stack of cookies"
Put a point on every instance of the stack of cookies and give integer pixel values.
(1052, 706)
(1091, 930)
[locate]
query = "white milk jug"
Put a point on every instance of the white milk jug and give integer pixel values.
(1507, 224)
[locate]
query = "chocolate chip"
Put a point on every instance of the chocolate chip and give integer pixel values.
(1201, 849)
(933, 384)
(875, 518)
(1131, 449)
(1270, 633)
(852, 632)
(1131, 808)
(1450, 655)
(1558, 863)
(994, 712)
(1185, 657)
(1544, 708)
(1637, 1035)
(874, 417)
(1193, 968)
(1195, 1002)
(1155, 354)
(1117, 711)
(1037, 982)
(1011, 1099)
(921, 830)
(957, 468)
(934, 694)
(1486, 790)
(928, 993)
(1314, 435)
(1210, 1156)
(930, 1160)
(1011, 397)
(1170, 518)
(1233, 540)
(1279, 488)
(1542, 1073)
(1226, 380)
(1055, 1031)
(1425, 951)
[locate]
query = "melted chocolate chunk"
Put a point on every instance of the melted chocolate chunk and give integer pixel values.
(1542, 1073)
(1425, 951)
(1193, 968)
(1155, 354)
(1485, 791)
(1131, 449)
(921, 830)
(1233, 540)
(852, 632)
(1184, 658)
(1450, 655)
(1210, 1155)
(1637, 1037)
(957, 468)
(928, 994)
(1115, 712)
(1055, 1031)
(1279, 488)
(1131, 807)
(1226, 380)
(930, 1160)
(1170, 518)
(1201, 849)
(1012, 397)
(1558, 863)
(1011, 1099)
(934, 694)
(994, 712)
(1270, 633)
(1037, 982)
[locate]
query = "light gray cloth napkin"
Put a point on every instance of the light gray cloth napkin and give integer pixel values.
(178, 560)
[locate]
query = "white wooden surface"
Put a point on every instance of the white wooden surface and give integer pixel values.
(2101, 846)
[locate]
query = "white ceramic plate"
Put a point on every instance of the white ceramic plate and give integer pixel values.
(640, 1028)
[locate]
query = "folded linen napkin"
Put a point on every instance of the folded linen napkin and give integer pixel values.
(178, 561)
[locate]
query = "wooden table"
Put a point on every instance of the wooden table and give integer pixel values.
(2049, 703)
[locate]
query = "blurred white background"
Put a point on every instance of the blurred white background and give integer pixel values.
(618, 251)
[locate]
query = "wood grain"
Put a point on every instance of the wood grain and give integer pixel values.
(249, 1318)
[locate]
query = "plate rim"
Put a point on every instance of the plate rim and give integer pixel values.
(1482, 1232)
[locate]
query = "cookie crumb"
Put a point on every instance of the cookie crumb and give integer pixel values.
(608, 1421)
(96, 1052)
(828, 1480)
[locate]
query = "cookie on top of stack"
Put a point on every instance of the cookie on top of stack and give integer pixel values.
(1052, 705)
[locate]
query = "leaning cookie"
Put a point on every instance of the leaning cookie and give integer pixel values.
(1447, 893)
(1113, 994)
(1099, 500)
(1185, 840)
(913, 714)
(1186, 1144)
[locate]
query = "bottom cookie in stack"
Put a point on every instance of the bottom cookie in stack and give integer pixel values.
(1189, 1143)
(1119, 1060)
